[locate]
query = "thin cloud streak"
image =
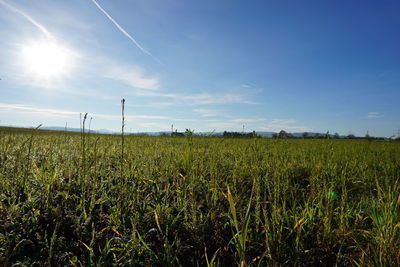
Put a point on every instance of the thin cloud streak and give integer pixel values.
(200, 98)
(29, 18)
(247, 120)
(46, 112)
(374, 115)
(28, 109)
(133, 76)
(31, 109)
(130, 117)
(206, 112)
(137, 78)
(225, 125)
(155, 122)
(155, 125)
(122, 30)
(276, 125)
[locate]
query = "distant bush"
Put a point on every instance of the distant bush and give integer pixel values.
(240, 135)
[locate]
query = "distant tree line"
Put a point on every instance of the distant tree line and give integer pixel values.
(240, 135)
(280, 135)
(176, 133)
(283, 134)
(224, 134)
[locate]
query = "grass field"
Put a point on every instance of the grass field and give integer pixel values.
(88, 200)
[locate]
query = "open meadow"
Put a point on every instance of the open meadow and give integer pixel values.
(99, 200)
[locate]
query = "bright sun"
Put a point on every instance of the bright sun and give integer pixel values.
(46, 59)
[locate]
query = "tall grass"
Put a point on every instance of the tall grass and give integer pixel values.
(196, 201)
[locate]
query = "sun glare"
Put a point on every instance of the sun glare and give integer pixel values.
(46, 59)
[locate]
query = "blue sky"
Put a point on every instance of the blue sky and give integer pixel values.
(205, 65)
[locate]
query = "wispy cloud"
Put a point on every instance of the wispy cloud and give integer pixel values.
(48, 112)
(156, 126)
(283, 122)
(28, 18)
(200, 98)
(276, 125)
(153, 122)
(374, 115)
(247, 120)
(206, 112)
(160, 104)
(34, 115)
(225, 126)
(150, 86)
(227, 98)
(130, 117)
(133, 76)
(32, 110)
(122, 30)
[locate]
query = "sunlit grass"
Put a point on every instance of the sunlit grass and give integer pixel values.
(69, 199)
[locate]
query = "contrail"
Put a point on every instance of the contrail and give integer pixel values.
(122, 30)
(29, 18)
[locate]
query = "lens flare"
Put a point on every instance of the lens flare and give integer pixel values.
(46, 59)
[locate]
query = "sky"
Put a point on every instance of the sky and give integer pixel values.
(207, 65)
